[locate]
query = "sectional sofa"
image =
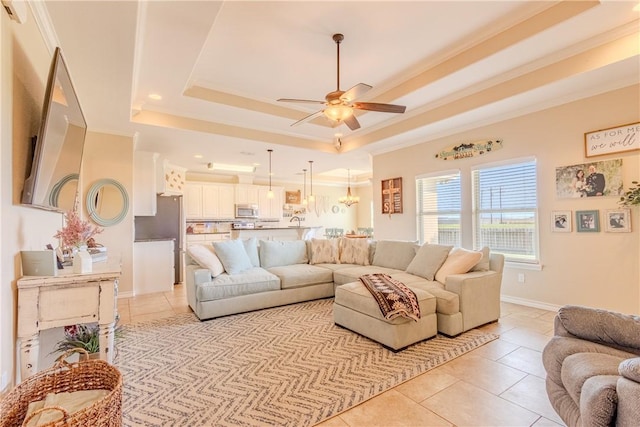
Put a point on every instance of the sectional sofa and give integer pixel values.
(236, 276)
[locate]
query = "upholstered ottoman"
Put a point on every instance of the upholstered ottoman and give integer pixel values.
(354, 308)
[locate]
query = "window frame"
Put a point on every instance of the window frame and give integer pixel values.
(420, 214)
(475, 213)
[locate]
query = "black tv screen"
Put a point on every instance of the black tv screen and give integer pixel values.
(57, 154)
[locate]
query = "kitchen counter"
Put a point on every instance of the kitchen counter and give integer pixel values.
(155, 239)
(276, 233)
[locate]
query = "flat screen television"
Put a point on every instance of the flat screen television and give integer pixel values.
(52, 183)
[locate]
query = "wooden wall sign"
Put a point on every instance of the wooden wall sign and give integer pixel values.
(612, 140)
(292, 197)
(392, 196)
(471, 149)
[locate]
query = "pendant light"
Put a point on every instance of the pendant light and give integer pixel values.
(270, 193)
(311, 196)
(349, 200)
(304, 200)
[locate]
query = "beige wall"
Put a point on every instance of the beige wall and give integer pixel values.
(24, 68)
(111, 156)
(595, 269)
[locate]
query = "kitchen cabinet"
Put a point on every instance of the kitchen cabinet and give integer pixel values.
(153, 266)
(209, 201)
(247, 194)
(270, 208)
(144, 183)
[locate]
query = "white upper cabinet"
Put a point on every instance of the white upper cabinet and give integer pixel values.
(270, 208)
(247, 194)
(209, 201)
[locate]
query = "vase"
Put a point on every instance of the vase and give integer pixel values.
(82, 261)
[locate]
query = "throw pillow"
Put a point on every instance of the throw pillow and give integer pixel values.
(324, 251)
(483, 264)
(428, 260)
(205, 256)
(459, 261)
(354, 251)
(275, 253)
(233, 256)
(396, 254)
(251, 246)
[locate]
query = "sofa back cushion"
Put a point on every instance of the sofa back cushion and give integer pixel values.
(323, 251)
(233, 256)
(251, 247)
(428, 260)
(275, 253)
(485, 261)
(206, 257)
(395, 254)
(354, 251)
(459, 261)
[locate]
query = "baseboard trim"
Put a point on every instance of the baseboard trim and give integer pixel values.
(128, 294)
(530, 303)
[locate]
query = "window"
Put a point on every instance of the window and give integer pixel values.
(505, 204)
(438, 199)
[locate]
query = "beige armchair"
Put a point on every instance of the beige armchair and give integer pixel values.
(593, 368)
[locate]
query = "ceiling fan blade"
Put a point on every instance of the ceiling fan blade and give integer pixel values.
(302, 101)
(355, 92)
(352, 122)
(308, 118)
(384, 108)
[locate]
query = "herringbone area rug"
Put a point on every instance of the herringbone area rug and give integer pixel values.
(285, 366)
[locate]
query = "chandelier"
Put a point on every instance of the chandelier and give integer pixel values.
(349, 200)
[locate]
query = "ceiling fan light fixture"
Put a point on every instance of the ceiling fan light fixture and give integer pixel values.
(338, 112)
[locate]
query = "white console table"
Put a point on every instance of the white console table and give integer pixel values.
(46, 302)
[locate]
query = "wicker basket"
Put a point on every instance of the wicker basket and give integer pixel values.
(68, 377)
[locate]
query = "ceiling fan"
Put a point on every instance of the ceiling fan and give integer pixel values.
(340, 104)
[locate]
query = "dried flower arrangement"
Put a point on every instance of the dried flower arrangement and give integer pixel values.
(76, 232)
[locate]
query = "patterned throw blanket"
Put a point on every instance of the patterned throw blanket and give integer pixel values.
(393, 297)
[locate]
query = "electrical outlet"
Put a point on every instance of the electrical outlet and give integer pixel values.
(520, 277)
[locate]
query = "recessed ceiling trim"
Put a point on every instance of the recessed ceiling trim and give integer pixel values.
(245, 103)
(178, 122)
(600, 56)
(509, 37)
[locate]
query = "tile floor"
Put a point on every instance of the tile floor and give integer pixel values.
(498, 384)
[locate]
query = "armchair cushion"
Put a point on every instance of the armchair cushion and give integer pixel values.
(618, 330)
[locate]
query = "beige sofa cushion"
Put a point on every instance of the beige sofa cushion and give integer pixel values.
(459, 261)
(226, 285)
(354, 251)
(206, 257)
(357, 297)
(323, 251)
(351, 274)
(297, 275)
(396, 254)
(428, 260)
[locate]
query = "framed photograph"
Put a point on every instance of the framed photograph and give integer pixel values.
(618, 139)
(392, 196)
(561, 221)
(617, 220)
(588, 221)
(594, 179)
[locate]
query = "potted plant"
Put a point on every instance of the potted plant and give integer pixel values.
(85, 337)
(75, 235)
(632, 196)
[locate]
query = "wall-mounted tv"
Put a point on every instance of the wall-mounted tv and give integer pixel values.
(57, 152)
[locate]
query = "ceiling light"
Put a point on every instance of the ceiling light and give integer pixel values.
(311, 196)
(349, 200)
(231, 168)
(155, 96)
(338, 112)
(304, 193)
(270, 193)
(198, 156)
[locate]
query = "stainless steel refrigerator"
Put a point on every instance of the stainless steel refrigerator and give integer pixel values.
(168, 223)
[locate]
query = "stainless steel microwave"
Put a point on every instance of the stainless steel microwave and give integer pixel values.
(246, 211)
